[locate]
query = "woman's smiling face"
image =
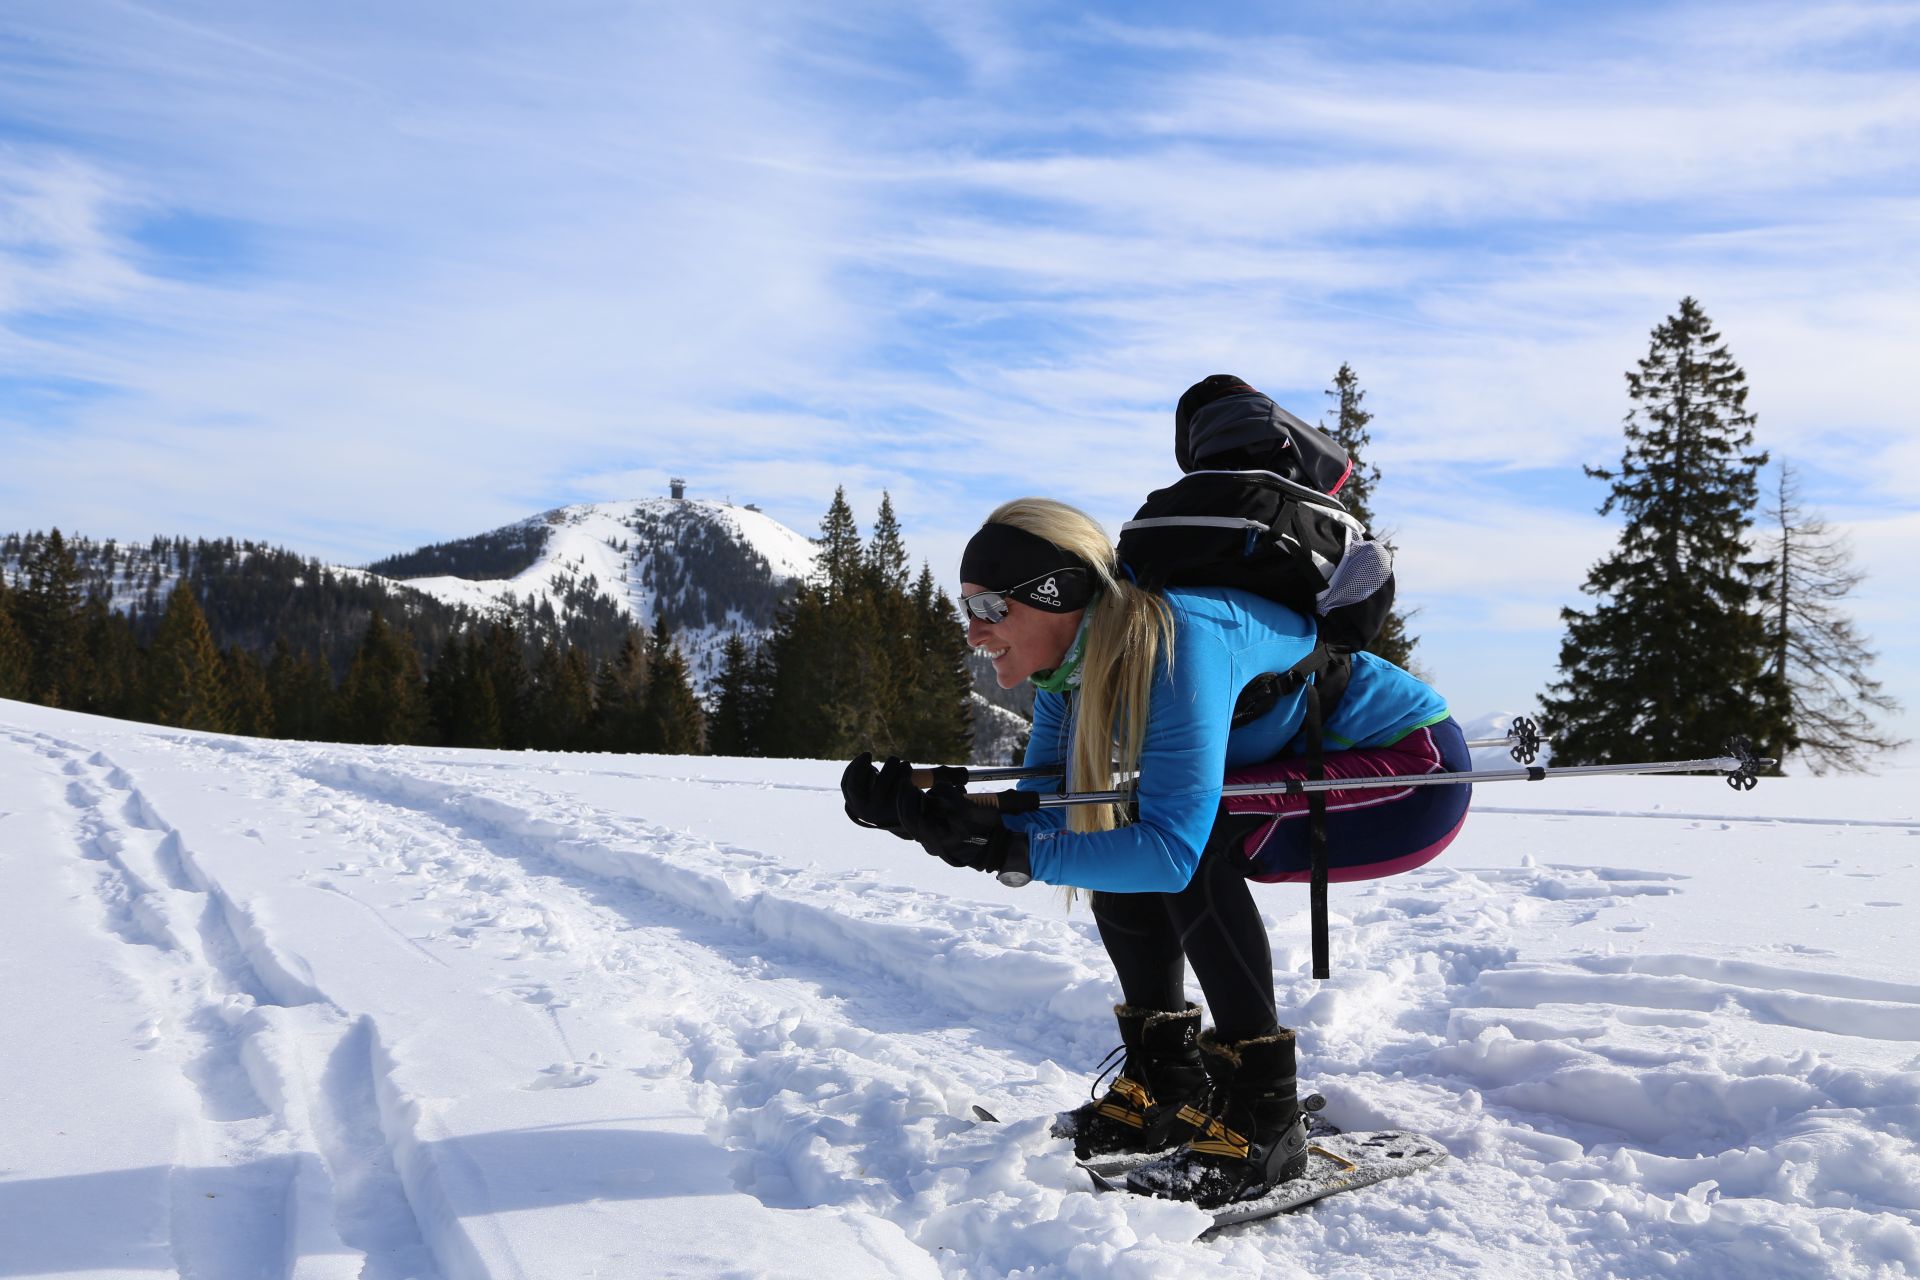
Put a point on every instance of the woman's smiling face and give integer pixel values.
(1025, 641)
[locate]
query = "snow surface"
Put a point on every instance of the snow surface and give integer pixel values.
(284, 1009)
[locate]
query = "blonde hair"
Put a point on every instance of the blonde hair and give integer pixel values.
(1129, 632)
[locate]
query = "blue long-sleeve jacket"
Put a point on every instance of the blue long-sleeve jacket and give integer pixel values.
(1223, 639)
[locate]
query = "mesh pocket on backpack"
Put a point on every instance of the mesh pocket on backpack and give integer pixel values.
(1363, 570)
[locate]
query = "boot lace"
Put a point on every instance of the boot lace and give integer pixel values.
(1113, 1064)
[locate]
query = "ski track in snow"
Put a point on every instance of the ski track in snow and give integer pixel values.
(1610, 1114)
(287, 1167)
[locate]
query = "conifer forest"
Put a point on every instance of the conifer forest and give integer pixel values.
(241, 638)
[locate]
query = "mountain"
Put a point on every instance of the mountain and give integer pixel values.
(581, 574)
(593, 569)
(999, 735)
(253, 594)
(709, 568)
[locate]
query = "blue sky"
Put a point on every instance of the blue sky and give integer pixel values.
(354, 277)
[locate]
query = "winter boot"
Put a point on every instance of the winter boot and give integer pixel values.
(1159, 1077)
(1252, 1136)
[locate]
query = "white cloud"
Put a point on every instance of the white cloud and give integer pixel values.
(489, 258)
(57, 249)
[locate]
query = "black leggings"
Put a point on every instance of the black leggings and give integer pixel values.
(1211, 924)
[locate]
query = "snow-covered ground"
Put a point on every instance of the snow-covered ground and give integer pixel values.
(277, 1009)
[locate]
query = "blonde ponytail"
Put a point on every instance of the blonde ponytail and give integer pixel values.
(1129, 632)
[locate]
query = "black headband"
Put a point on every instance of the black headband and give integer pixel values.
(1001, 558)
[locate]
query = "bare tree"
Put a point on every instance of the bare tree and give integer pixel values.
(1818, 655)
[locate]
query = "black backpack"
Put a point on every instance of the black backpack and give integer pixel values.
(1256, 510)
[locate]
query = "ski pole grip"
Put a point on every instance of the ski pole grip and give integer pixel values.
(939, 776)
(1012, 800)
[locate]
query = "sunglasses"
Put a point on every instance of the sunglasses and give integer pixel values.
(991, 606)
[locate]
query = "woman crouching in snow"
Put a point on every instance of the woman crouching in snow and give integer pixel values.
(1151, 679)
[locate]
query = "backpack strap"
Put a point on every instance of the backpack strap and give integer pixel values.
(1317, 834)
(1263, 692)
(1326, 674)
(1314, 670)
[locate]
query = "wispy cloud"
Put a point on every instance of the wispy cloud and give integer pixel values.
(357, 276)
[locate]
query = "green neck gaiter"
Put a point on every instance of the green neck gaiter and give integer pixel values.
(1067, 675)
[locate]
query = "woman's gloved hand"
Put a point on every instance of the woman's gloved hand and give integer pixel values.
(873, 796)
(956, 831)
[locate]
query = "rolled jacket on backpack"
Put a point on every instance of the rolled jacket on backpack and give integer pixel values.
(1371, 833)
(1223, 639)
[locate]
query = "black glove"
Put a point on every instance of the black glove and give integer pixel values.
(873, 797)
(957, 831)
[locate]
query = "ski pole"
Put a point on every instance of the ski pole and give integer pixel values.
(1740, 767)
(959, 775)
(1523, 741)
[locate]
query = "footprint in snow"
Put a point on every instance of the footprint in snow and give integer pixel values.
(563, 1075)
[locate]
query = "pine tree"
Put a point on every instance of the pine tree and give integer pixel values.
(797, 652)
(301, 690)
(251, 703)
(672, 715)
(186, 681)
(1394, 643)
(460, 695)
(886, 553)
(111, 662)
(47, 611)
(1816, 655)
(839, 563)
(734, 717)
(576, 684)
(888, 661)
(544, 714)
(384, 699)
(826, 649)
(621, 698)
(444, 691)
(15, 657)
(942, 711)
(1672, 660)
(562, 700)
(501, 663)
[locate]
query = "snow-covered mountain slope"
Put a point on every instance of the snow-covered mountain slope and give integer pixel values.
(999, 735)
(325, 1011)
(711, 567)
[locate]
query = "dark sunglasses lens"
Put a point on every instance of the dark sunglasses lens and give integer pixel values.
(988, 606)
